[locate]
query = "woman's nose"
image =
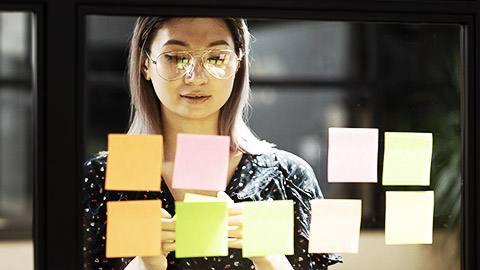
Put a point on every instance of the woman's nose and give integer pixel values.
(197, 74)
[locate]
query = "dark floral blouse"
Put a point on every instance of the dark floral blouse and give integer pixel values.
(275, 175)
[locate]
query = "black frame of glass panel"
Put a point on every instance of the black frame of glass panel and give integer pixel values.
(59, 97)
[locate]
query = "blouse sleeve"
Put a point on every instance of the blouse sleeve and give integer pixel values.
(94, 217)
(302, 187)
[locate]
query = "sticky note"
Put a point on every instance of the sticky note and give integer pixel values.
(335, 226)
(267, 228)
(134, 162)
(201, 229)
(352, 155)
(409, 217)
(134, 228)
(201, 162)
(407, 159)
(191, 197)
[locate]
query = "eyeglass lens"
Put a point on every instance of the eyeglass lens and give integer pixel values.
(173, 65)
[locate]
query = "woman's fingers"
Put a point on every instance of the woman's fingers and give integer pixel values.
(168, 236)
(236, 220)
(235, 243)
(235, 232)
(234, 209)
(168, 223)
(168, 232)
(168, 247)
(223, 196)
(165, 214)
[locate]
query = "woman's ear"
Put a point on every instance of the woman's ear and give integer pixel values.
(146, 70)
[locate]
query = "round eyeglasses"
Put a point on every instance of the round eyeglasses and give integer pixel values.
(173, 65)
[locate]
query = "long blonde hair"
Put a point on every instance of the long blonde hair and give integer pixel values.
(145, 116)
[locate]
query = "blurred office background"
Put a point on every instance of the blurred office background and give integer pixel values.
(16, 139)
(308, 76)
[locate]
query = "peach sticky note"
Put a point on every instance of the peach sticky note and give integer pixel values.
(134, 228)
(201, 162)
(409, 217)
(134, 162)
(352, 155)
(408, 158)
(267, 228)
(201, 229)
(335, 226)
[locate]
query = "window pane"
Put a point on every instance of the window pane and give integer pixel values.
(307, 76)
(16, 139)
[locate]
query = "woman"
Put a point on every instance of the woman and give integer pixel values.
(190, 75)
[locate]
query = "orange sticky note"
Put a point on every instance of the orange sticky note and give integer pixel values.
(335, 226)
(134, 228)
(134, 162)
(201, 162)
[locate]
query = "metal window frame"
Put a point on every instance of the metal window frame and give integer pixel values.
(58, 106)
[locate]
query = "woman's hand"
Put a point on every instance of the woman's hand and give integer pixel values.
(168, 245)
(235, 237)
(168, 233)
(235, 221)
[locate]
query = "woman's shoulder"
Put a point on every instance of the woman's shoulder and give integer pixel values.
(94, 171)
(96, 166)
(99, 160)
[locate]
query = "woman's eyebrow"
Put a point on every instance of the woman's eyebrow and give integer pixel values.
(181, 43)
(218, 42)
(175, 42)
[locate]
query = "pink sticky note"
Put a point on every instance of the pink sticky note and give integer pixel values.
(352, 155)
(335, 226)
(201, 162)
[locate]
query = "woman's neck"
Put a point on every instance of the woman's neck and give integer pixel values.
(172, 125)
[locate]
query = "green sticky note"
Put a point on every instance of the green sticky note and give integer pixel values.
(201, 229)
(407, 159)
(267, 228)
(409, 217)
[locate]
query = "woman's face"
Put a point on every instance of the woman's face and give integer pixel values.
(197, 95)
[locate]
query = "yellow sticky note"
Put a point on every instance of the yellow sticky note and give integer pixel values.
(134, 228)
(192, 197)
(134, 162)
(201, 229)
(409, 217)
(335, 226)
(407, 159)
(267, 228)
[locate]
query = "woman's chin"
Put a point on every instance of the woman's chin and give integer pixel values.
(199, 115)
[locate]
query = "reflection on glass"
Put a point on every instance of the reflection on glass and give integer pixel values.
(16, 139)
(308, 76)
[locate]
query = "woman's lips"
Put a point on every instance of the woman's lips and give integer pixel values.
(195, 99)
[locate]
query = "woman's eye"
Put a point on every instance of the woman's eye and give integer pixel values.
(218, 59)
(176, 58)
(212, 61)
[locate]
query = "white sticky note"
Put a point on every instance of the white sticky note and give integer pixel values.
(409, 217)
(335, 226)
